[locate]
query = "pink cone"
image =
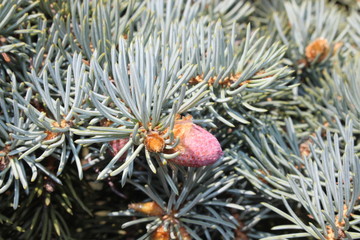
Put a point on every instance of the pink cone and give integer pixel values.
(117, 145)
(197, 146)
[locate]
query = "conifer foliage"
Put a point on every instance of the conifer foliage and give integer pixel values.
(179, 119)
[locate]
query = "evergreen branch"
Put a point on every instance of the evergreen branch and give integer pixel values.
(329, 196)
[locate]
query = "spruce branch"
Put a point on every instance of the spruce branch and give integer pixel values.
(17, 19)
(347, 86)
(354, 32)
(13, 166)
(337, 94)
(273, 156)
(199, 202)
(239, 73)
(121, 90)
(328, 191)
(49, 104)
(185, 12)
(230, 12)
(313, 32)
(100, 25)
(138, 98)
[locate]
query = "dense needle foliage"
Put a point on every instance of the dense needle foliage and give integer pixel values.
(180, 119)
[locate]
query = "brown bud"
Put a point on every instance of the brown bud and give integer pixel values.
(50, 135)
(304, 147)
(319, 47)
(160, 234)
(197, 79)
(154, 142)
(106, 122)
(149, 208)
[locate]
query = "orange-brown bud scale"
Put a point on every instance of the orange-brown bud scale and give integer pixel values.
(148, 208)
(50, 135)
(160, 234)
(106, 122)
(197, 79)
(227, 81)
(154, 142)
(318, 48)
(63, 124)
